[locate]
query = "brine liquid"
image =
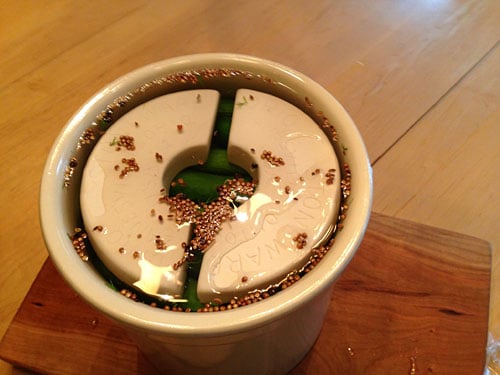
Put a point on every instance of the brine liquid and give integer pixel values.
(226, 81)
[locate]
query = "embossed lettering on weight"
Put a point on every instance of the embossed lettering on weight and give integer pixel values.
(235, 265)
(234, 262)
(273, 249)
(270, 220)
(253, 256)
(291, 202)
(239, 234)
(312, 202)
(234, 237)
(229, 266)
(308, 211)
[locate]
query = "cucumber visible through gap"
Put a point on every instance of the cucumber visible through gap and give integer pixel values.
(199, 183)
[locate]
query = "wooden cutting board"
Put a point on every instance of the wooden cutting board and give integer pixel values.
(414, 300)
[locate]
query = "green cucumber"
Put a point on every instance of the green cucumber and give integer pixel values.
(223, 123)
(217, 163)
(197, 186)
(200, 183)
(191, 283)
(226, 106)
(191, 295)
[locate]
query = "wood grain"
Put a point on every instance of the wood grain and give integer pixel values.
(45, 32)
(400, 302)
(451, 157)
(412, 296)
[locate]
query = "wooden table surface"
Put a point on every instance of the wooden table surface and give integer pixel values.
(420, 78)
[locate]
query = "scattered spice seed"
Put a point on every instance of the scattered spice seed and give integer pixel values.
(130, 166)
(180, 128)
(273, 160)
(128, 294)
(301, 240)
(159, 157)
(160, 243)
(330, 176)
(88, 136)
(345, 184)
(69, 171)
(78, 240)
(344, 149)
(126, 141)
(208, 217)
(324, 123)
(98, 228)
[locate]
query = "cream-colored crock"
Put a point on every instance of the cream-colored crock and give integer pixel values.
(269, 337)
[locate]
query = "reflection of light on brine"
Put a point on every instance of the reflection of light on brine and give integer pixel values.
(350, 351)
(250, 208)
(151, 276)
(242, 216)
(167, 249)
